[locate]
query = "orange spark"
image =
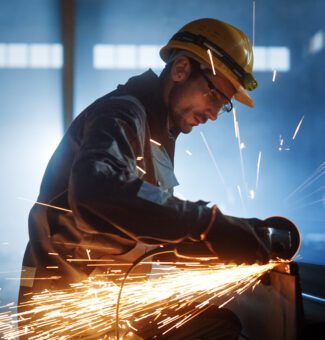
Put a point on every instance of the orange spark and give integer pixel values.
(154, 142)
(211, 60)
(141, 169)
(298, 127)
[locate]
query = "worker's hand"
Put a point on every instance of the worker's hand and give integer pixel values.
(234, 239)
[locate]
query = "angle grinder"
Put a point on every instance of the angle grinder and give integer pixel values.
(280, 236)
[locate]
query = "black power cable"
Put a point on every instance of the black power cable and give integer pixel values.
(160, 250)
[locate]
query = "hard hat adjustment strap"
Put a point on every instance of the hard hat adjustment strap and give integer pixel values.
(246, 79)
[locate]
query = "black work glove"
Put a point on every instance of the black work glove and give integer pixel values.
(234, 239)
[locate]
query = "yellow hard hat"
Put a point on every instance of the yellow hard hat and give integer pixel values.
(231, 52)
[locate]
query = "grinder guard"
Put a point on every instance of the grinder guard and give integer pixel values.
(280, 236)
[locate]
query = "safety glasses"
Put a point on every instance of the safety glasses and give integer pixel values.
(216, 93)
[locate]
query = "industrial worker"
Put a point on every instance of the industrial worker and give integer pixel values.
(112, 174)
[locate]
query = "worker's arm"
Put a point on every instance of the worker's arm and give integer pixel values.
(105, 186)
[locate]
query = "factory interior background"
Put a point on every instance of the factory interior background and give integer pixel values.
(274, 166)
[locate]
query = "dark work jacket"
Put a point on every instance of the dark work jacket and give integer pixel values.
(117, 182)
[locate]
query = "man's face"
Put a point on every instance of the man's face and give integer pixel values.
(191, 102)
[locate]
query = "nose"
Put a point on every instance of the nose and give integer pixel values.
(212, 115)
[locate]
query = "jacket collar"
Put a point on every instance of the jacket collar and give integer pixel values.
(147, 88)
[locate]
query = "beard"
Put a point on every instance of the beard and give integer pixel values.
(176, 113)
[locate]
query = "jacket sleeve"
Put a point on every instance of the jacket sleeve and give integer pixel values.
(106, 189)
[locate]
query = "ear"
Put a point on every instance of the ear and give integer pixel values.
(181, 69)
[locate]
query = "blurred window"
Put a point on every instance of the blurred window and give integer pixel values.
(31, 55)
(107, 56)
